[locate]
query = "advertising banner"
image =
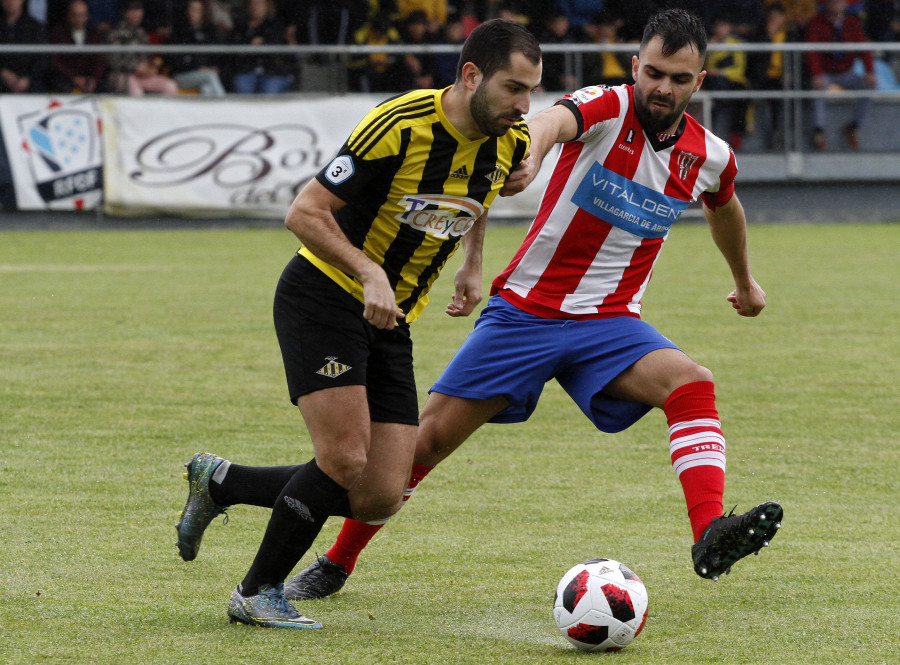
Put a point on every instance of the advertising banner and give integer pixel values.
(233, 157)
(242, 157)
(55, 152)
(187, 156)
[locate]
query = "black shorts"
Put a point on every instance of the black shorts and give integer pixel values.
(325, 342)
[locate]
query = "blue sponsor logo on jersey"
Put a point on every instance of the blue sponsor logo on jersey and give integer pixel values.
(626, 204)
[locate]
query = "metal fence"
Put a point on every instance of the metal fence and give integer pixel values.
(323, 69)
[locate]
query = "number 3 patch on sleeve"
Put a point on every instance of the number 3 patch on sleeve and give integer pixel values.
(340, 169)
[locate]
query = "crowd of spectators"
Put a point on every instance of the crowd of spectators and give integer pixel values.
(419, 22)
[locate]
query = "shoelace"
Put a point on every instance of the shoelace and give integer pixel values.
(278, 601)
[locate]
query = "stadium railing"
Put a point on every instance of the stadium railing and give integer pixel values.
(322, 69)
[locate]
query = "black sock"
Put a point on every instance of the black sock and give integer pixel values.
(252, 485)
(303, 505)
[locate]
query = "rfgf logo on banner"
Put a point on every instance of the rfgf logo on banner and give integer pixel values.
(63, 144)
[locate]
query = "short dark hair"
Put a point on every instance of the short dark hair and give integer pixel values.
(490, 46)
(677, 28)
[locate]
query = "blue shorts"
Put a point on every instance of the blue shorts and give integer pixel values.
(513, 354)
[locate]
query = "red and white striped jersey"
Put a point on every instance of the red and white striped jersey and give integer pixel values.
(610, 202)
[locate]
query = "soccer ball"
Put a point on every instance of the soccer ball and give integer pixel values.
(600, 605)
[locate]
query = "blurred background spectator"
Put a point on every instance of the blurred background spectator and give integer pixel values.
(82, 73)
(377, 72)
(21, 72)
(512, 11)
(220, 14)
(444, 64)
(135, 73)
(37, 9)
(419, 66)
(580, 12)
(269, 74)
(606, 68)
(883, 20)
(798, 13)
(834, 70)
(765, 70)
(727, 71)
(193, 71)
(160, 17)
(104, 14)
(434, 11)
(633, 16)
(325, 21)
(558, 30)
(745, 16)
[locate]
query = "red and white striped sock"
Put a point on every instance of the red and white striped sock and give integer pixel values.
(355, 535)
(697, 447)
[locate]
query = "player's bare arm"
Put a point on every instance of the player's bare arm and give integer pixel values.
(729, 230)
(556, 124)
(311, 219)
(468, 281)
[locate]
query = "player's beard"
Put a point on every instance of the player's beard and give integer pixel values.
(656, 121)
(488, 123)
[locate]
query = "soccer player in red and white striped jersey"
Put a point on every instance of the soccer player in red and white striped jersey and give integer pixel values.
(568, 305)
(610, 202)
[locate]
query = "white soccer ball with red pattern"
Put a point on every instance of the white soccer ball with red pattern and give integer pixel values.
(600, 605)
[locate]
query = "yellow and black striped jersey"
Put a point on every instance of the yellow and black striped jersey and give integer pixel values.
(413, 186)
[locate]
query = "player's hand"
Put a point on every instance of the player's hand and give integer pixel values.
(467, 292)
(520, 177)
(749, 300)
(380, 302)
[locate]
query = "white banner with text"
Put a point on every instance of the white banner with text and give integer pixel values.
(238, 158)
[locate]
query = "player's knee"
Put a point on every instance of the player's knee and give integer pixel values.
(430, 444)
(376, 509)
(689, 373)
(344, 467)
(699, 373)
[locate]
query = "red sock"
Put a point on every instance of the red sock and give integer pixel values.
(355, 535)
(697, 448)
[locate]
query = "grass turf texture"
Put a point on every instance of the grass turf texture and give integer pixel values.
(122, 353)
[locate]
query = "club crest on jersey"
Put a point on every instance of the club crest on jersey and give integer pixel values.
(685, 162)
(439, 215)
(333, 368)
(496, 175)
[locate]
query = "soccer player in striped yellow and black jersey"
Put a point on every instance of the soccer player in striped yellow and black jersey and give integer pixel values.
(412, 182)
(414, 186)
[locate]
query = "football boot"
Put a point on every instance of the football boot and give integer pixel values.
(200, 509)
(731, 537)
(320, 579)
(268, 609)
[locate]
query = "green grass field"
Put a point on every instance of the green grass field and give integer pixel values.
(122, 353)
